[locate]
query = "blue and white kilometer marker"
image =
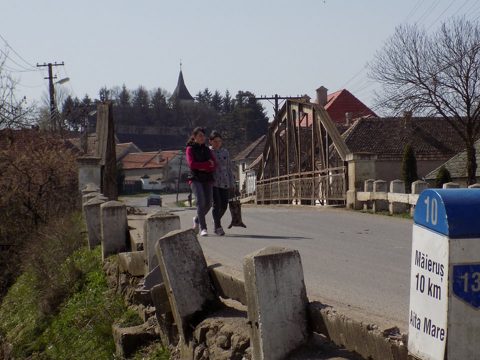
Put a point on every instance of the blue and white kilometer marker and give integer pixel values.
(445, 275)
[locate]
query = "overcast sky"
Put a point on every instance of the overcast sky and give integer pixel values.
(268, 47)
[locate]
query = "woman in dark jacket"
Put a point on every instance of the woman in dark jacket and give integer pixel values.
(202, 164)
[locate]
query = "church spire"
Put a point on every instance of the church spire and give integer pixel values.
(181, 92)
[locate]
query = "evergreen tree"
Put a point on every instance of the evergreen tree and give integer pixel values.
(216, 102)
(140, 105)
(159, 107)
(409, 167)
(443, 177)
(227, 103)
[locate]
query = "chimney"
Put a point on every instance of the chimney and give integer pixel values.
(407, 119)
(348, 118)
(322, 95)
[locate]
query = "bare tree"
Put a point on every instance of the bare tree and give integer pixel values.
(13, 111)
(434, 74)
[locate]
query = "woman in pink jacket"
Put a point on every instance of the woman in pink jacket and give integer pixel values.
(202, 164)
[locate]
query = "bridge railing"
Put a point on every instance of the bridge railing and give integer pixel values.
(307, 187)
(377, 197)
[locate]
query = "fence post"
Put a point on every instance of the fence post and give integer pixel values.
(91, 210)
(277, 302)
(397, 187)
(114, 228)
(417, 187)
(451, 185)
(380, 189)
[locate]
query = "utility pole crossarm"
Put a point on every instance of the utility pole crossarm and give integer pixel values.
(51, 88)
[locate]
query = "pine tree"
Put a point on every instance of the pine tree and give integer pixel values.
(216, 102)
(409, 167)
(443, 177)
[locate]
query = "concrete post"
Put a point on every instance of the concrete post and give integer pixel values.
(114, 228)
(361, 166)
(185, 275)
(417, 187)
(157, 225)
(368, 185)
(90, 195)
(89, 172)
(277, 302)
(91, 211)
(474, 186)
(397, 187)
(380, 189)
(451, 185)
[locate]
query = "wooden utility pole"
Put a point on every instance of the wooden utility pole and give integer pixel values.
(51, 88)
(276, 98)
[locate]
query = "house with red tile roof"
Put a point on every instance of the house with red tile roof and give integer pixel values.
(156, 166)
(342, 105)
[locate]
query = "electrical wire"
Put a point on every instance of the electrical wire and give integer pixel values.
(16, 53)
(443, 12)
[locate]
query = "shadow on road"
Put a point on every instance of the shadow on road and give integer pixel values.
(268, 237)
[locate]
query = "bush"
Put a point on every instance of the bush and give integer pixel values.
(409, 167)
(443, 177)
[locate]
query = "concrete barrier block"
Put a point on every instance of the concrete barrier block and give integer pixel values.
(277, 302)
(114, 228)
(418, 186)
(91, 211)
(132, 263)
(163, 313)
(397, 187)
(157, 225)
(89, 196)
(185, 274)
(153, 278)
(474, 186)
(368, 185)
(228, 283)
(380, 186)
(451, 185)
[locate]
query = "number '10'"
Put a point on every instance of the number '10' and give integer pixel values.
(432, 210)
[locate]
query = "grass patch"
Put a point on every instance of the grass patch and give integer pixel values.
(69, 313)
(152, 352)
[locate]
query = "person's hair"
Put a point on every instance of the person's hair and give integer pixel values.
(195, 132)
(215, 134)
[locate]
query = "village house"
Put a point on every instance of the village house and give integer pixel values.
(156, 170)
(457, 167)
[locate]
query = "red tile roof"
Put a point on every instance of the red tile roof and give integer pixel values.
(343, 101)
(148, 160)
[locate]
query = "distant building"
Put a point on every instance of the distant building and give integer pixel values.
(159, 168)
(433, 139)
(181, 92)
(342, 106)
(457, 167)
(245, 158)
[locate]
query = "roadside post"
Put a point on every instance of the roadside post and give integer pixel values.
(444, 314)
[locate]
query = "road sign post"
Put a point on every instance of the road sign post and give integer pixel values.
(444, 314)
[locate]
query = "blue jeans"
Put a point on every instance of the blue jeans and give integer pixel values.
(203, 197)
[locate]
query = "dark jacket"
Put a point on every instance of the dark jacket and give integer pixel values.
(198, 159)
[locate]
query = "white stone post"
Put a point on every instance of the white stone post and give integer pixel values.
(444, 313)
(474, 186)
(88, 196)
(417, 187)
(451, 185)
(157, 225)
(380, 190)
(397, 187)
(277, 302)
(114, 228)
(188, 285)
(91, 211)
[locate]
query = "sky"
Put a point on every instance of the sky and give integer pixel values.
(268, 47)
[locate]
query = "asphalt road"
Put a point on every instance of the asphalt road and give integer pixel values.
(358, 263)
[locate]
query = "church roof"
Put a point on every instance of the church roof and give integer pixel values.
(181, 92)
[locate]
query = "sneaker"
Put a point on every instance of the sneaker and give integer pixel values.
(204, 232)
(195, 225)
(219, 231)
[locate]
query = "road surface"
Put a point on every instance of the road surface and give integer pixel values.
(358, 263)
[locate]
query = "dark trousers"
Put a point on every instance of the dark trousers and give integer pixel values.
(203, 197)
(220, 205)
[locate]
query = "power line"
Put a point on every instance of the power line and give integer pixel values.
(417, 5)
(8, 45)
(443, 12)
(460, 8)
(428, 11)
(9, 58)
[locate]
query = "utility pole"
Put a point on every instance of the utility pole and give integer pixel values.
(51, 88)
(276, 98)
